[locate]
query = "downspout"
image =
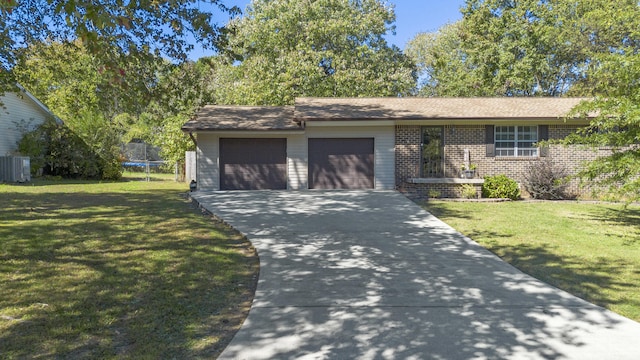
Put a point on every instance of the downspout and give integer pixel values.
(194, 183)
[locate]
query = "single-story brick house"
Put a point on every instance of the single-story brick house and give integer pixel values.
(410, 144)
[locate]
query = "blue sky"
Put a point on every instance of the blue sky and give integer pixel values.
(412, 17)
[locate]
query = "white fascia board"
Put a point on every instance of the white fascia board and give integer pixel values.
(240, 133)
(511, 121)
(349, 123)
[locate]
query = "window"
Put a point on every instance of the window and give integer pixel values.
(518, 141)
(432, 151)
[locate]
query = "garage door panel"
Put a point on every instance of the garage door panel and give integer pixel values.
(253, 164)
(330, 181)
(341, 163)
(254, 177)
(352, 164)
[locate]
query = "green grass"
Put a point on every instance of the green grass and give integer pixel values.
(589, 250)
(126, 269)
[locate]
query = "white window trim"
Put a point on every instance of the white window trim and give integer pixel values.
(536, 150)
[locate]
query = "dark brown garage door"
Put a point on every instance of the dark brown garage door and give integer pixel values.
(253, 164)
(341, 163)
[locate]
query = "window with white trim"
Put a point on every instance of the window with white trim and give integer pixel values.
(516, 141)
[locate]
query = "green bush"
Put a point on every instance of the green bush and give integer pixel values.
(469, 191)
(33, 145)
(500, 187)
(434, 194)
(60, 152)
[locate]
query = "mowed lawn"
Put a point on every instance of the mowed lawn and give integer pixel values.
(128, 269)
(590, 250)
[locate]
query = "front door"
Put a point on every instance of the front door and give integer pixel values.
(432, 151)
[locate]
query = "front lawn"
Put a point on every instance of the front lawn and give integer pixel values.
(589, 250)
(117, 270)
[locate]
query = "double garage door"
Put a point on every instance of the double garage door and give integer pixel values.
(255, 164)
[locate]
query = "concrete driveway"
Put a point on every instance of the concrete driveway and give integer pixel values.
(370, 275)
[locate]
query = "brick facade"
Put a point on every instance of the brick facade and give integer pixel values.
(458, 138)
(437, 190)
(407, 149)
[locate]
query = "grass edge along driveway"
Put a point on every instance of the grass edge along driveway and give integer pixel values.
(590, 250)
(117, 270)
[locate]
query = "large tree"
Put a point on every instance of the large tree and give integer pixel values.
(180, 92)
(614, 80)
(293, 48)
(99, 103)
(141, 29)
(71, 80)
(525, 48)
(505, 48)
(442, 64)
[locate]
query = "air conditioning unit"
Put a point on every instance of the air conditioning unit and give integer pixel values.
(15, 168)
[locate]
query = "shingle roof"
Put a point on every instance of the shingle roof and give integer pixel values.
(253, 118)
(270, 118)
(432, 108)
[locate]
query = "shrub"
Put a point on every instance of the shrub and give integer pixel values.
(33, 145)
(469, 191)
(545, 181)
(60, 152)
(500, 187)
(433, 194)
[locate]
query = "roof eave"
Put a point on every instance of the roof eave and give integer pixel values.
(451, 120)
(198, 129)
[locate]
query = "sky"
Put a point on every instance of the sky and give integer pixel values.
(412, 17)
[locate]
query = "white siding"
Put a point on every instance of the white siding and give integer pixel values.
(297, 162)
(208, 158)
(17, 108)
(384, 138)
(207, 162)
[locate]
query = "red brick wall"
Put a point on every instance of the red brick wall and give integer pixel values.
(408, 157)
(459, 138)
(437, 190)
(472, 137)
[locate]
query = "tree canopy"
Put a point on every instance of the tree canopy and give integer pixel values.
(525, 48)
(291, 48)
(69, 79)
(442, 63)
(140, 29)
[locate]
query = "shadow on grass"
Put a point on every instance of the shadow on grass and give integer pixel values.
(628, 216)
(591, 281)
(605, 279)
(118, 275)
(440, 210)
(563, 272)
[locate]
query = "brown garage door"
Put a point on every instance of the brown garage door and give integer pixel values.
(341, 163)
(253, 164)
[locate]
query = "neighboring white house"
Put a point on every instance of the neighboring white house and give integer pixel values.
(20, 107)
